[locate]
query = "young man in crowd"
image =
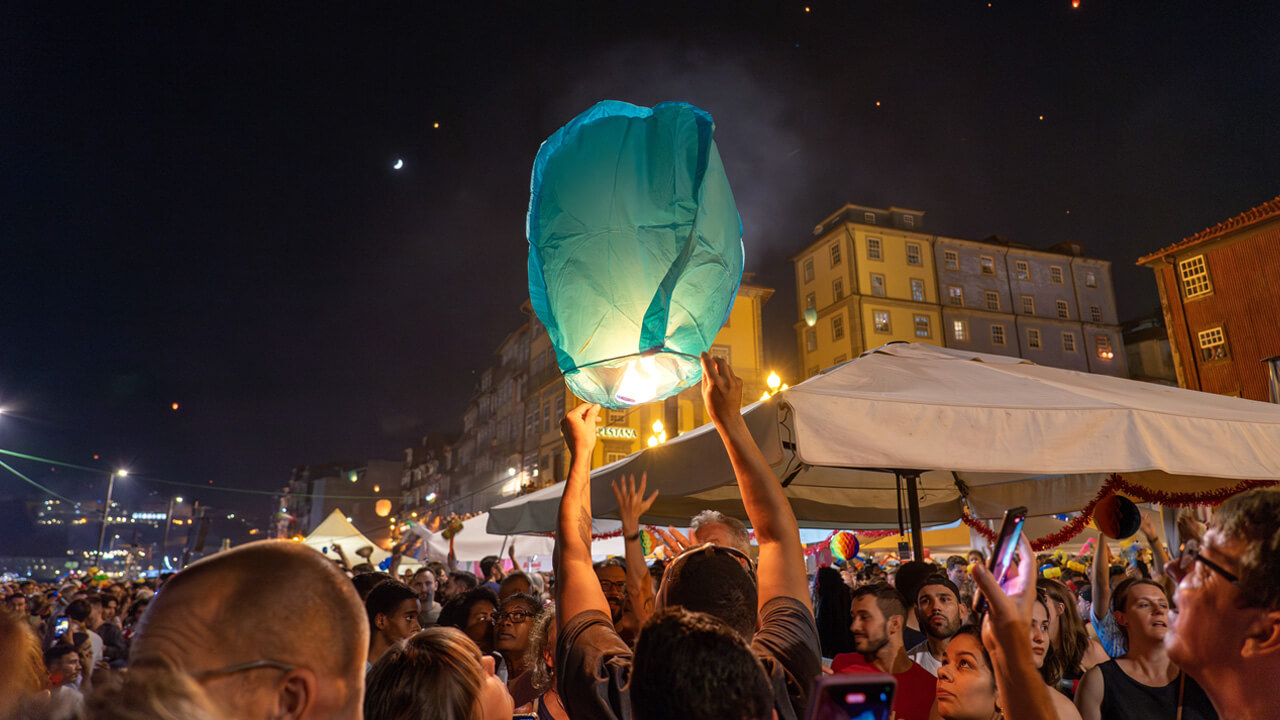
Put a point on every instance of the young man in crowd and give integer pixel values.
(879, 615)
(593, 665)
(423, 582)
(271, 629)
(1226, 633)
(941, 613)
(392, 608)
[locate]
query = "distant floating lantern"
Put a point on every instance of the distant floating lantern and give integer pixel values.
(810, 317)
(635, 249)
(382, 507)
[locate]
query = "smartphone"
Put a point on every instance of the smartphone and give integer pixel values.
(62, 626)
(1002, 556)
(852, 697)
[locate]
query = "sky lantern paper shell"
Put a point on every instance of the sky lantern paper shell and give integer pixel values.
(635, 249)
(1117, 517)
(844, 545)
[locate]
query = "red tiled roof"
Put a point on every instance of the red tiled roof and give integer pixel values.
(1265, 211)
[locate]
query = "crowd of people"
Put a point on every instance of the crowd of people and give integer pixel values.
(723, 629)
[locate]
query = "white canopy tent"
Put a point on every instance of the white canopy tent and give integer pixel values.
(992, 430)
(336, 529)
(474, 542)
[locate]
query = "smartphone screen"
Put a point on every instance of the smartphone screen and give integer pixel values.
(61, 628)
(852, 697)
(1006, 546)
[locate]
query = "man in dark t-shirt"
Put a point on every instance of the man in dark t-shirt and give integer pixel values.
(594, 667)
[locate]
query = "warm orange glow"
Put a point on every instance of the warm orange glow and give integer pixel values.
(1075, 3)
(174, 406)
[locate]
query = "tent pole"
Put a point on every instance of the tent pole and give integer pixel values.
(913, 510)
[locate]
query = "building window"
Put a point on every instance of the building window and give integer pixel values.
(1213, 344)
(1021, 269)
(546, 417)
(1033, 338)
(922, 326)
(955, 295)
(837, 289)
(951, 259)
(617, 417)
(1103, 345)
(724, 352)
(1095, 313)
(808, 270)
(1195, 277)
(835, 254)
(997, 335)
(1090, 279)
(810, 340)
(1064, 310)
(877, 284)
(1028, 305)
(960, 330)
(909, 220)
(873, 249)
(993, 300)
(913, 254)
(988, 264)
(559, 406)
(881, 321)
(613, 457)
(810, 301)
(1068, 342)
(917, 290)
(837, 327)
(869, 218)
(1055, 274)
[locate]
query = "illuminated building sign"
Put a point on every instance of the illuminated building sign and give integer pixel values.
(148, 516)
(621, 433)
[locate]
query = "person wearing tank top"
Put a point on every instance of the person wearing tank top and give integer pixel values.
(1142, 684)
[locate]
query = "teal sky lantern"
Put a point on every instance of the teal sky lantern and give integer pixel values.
(635, 249)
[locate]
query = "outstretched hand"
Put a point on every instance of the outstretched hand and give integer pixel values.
(721, 389)
(631, 501)
(1009, 612)
(579, 429)
(674, 540)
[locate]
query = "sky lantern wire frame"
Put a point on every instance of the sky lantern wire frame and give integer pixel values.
(635, 249)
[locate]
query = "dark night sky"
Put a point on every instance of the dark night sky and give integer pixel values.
(199, 205)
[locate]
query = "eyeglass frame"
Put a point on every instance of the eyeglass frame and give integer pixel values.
(1192, 551)
(244, 667)
(500, 617)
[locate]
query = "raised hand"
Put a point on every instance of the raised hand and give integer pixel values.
(675, 541)
(631, 501)
(721, 390)
(579, 429)
(1009, 612)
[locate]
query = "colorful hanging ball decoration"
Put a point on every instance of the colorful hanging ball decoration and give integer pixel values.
(647, 542)
(844, 545)
(1117, 517)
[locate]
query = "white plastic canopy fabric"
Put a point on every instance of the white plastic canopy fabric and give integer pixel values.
(996, 430)
(474, 543)
(337, 529)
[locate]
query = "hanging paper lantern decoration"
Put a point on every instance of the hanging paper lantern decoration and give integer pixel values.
(382, 508)
(635, 249)
(1117, 517)
(844, 545)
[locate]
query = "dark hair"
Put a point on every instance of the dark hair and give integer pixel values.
(1051, 670)
(79, 610)
(888, 599)
(910, 575)
(365, 582)
(831, 612)
(956, 561)
(710, 579)
(455, 612)
(434, 675)
(1120, 596)
(937, 579)
(693, 665)
(1073, 638)
(1254, 518)
(57, 652)
(384, 598)
(534, 603)
(974, 630)
(487, 563)
(466, 578)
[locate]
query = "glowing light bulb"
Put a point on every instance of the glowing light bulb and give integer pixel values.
(657, 426)
(773, 381)
(639, 381)
(653, 440)
(662, 437)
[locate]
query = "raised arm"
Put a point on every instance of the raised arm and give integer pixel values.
(1159, 555)
(631, 505)
(781, 571)
(577, 588)
(1100, 578)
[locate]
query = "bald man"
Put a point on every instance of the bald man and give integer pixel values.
(270, 630)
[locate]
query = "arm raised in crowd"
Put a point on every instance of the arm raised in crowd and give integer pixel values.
(577, 589)
(1023, 694)
(781, 571)
(1100, 578)
(631, 505)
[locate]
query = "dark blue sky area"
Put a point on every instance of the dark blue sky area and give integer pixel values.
(199, 205)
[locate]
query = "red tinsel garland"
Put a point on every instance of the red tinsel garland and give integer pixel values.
(1111, 486)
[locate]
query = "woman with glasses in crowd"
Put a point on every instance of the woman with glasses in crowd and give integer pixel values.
(511, 626)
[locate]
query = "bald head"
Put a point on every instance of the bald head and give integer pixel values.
(272, 600)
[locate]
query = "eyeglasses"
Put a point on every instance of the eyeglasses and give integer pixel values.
(1191, 553)
(515, 616)
(614, 586)
(244, 667)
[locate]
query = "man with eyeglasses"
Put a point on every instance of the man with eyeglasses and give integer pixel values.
(715, 590)
(271, 629)
(1226, 632)
(612, 574)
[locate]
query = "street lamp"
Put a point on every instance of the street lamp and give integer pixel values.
(102, 534)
